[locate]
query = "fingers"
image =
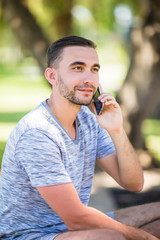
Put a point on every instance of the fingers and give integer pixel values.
(107, 99)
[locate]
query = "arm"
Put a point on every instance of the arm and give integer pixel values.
(64, 200)
(123, 165)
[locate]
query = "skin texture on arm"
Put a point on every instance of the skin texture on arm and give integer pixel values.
(64, 200)
(123, 166)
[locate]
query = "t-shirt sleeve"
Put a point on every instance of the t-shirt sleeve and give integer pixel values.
(40, 156)
(105, 145)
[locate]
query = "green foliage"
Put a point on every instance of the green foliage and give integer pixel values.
(103, 20)
(151, 127)
(2, 148)
(44, 14)
(11, 117)
(151, 131)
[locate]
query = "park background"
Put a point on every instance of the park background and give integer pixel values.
(127, 34)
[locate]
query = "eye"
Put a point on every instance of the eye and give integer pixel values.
(78, 68)
(95, 69)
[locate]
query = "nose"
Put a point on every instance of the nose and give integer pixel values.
(89, 76)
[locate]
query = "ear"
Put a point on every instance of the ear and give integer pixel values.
(50, 75)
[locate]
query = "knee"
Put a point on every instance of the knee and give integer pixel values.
(117, 236)
(92, 234)
(105, 234)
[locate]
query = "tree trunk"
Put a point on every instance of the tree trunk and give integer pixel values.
(140, 93)
(26, 29)
(63, 18)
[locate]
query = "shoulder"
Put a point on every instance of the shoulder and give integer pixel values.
(34, 119)
(38, 120)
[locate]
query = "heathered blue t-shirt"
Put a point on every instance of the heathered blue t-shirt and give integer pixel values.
(39, 152)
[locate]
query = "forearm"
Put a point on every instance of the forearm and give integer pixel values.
(91, 218)
(77, 216)
(129, 168)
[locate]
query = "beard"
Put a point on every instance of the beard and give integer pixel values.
(70, 95)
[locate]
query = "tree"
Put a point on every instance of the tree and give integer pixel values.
(62, 19)
(140, 91)
(26, 29)
(29, 33)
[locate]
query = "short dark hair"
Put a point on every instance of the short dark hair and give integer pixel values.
(56, 48)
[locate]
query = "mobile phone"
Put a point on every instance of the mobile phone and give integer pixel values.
(98, 104)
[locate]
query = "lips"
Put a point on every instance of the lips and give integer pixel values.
(86, 90)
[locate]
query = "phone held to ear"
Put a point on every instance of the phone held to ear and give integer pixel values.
(98, 104)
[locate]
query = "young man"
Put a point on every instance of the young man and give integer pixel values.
(49, 160)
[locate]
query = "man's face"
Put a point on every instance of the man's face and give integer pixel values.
(77, 74)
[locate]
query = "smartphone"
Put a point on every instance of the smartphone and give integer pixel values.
(98, 104)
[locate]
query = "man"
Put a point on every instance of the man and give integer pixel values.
(49, 160)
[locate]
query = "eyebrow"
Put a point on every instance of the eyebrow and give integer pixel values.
(84, 64)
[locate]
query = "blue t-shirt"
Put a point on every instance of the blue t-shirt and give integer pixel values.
(39, 152)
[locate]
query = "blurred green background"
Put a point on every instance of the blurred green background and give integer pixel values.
(128, 43)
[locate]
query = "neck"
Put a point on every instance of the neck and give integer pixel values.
(65, 112)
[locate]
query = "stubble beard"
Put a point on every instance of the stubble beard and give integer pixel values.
(70, 95)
